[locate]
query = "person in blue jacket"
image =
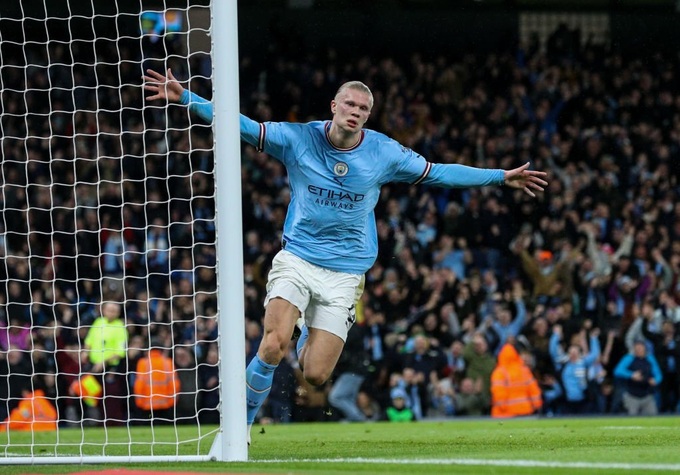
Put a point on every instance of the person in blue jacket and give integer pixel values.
(641, 373)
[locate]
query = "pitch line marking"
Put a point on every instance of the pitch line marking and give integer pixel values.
(496, 463)
(639, 428)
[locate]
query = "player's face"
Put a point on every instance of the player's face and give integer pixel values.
(351, 109)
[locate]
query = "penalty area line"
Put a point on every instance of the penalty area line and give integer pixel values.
(492, 462)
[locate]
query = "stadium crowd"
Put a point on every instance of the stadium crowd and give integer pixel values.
(475, 293)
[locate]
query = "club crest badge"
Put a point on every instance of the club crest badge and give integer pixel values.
(341, 169)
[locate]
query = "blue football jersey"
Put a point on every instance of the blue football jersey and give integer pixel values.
(330, 220)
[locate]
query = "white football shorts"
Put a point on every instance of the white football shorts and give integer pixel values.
(326, 298)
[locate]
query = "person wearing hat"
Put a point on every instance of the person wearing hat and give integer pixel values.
(35, 413)
(156, 384)
(514, 390)
(399, 410)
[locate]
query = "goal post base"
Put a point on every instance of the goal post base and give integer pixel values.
(98, 459)
(216, 452)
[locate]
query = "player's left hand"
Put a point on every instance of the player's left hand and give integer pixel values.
(524, 179)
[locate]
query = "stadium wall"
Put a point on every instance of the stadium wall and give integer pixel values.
(389, 27)
(453, 31)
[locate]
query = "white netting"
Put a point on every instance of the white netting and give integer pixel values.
(107, 209)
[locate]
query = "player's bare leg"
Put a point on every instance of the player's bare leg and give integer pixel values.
(319, 355)
(279, 320)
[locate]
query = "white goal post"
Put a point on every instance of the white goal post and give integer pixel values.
(121, 267)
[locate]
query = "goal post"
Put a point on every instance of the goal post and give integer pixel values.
(121, 285)
(230, 444)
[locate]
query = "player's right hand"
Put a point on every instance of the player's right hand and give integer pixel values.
(162, 87)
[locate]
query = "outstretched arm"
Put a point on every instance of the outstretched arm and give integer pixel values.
(168, 88)
(454, 175)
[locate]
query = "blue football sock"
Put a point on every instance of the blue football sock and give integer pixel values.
(259, 377)
(304, 334)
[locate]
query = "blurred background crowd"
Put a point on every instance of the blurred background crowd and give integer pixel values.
(107, 241)
(575, 279)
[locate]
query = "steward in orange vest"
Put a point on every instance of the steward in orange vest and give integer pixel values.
(34, 413)
(156, 382)
(514, 390)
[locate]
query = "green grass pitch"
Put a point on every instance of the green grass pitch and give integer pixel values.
(480, 446)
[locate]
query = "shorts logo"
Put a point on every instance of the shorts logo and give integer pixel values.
(341, 169)
(352, 317)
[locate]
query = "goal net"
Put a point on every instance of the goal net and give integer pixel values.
(108, 302)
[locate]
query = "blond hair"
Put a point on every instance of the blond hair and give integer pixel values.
(357, 86)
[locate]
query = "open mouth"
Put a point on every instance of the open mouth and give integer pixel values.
(352, 123)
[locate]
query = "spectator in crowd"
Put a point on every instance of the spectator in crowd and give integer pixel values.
(669, 307)
(455, 361)
(470, 400)
(504, 325)
(644, 316)
(157, 250)
(538, 337)
(369, 406)
(666, 344)
(136, 350)
(253, 338)
(34, 413)
(599, 388)
(103, 352)
(208, 387)
(398, 410)
(68, 370)
(480, 363)
(106, 341)
(552, 393)
(16, 334)
(453, 255)
(15, 379)
(351, 370)
(642, 376)
(574, 367)
(410, 381)
(427, 364)
(514, 390)
(550, 278)
(187, 399)
(441, 397)
(374, 337)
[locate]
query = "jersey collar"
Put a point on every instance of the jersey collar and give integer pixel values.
(327, 128)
